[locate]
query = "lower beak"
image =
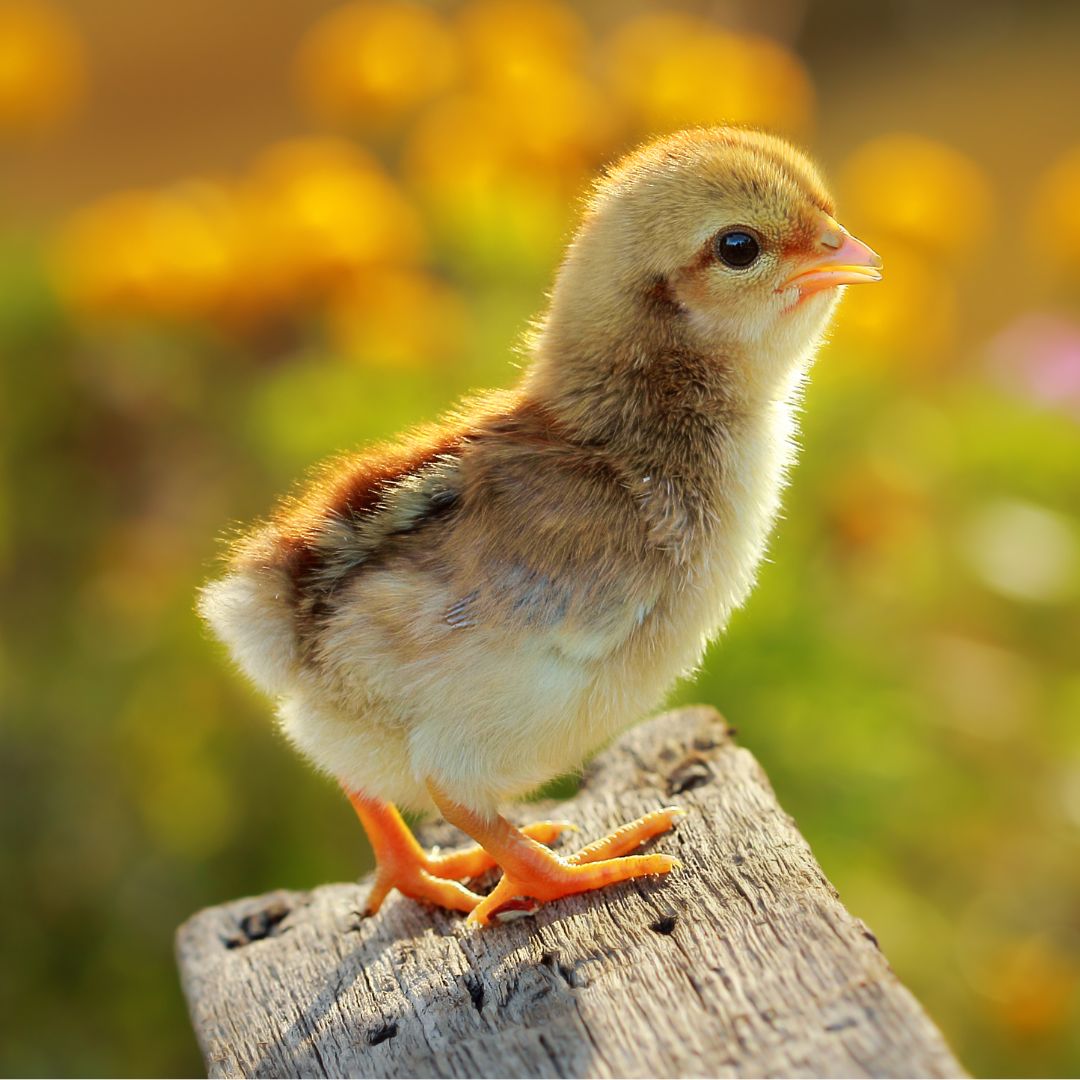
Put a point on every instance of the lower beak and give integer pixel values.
(848, 262)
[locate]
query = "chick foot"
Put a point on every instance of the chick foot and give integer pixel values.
(628, 837)
(402, 864)
(473, 861)
(532, 872)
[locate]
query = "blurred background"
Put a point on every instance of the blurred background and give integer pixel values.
(235, 238)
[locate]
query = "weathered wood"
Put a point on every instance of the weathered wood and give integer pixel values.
(744, 963)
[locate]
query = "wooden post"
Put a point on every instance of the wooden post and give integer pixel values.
(743, 963)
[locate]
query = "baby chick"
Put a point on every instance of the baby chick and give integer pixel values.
(450, 620)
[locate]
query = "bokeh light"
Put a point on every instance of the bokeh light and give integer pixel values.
(1056, 217)
(518, 47)
(319, 210)
(1024, 552)
(910, 321)
(368, 64)
(468, 166)
(399, 318)
(169, 254)
(920, 191)
(1037, 356)
(674, 70)
(42, 66)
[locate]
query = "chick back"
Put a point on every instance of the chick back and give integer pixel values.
(281, 574)
(521, 528)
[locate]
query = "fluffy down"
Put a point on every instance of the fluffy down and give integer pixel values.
(486, 601)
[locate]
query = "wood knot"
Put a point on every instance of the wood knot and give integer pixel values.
(258, 925)
(571, 974)
(382, 1033)
(694, 772)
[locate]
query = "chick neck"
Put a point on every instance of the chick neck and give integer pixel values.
(622, 363)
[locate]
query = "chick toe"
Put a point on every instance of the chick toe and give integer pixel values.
(559, 878)
(628, 837)
(473, 861)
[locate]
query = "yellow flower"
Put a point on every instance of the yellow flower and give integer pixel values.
(570, 127)
(1057, 211)
(369, 64)
(310, 214)
(523, 60)
(41, 66)
(674, 70)
(398, 317)
(314, 212)
(149, 253)
(487, 195)
(918, 190)
(514, 45)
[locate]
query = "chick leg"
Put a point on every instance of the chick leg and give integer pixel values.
(530, 870)
(402, 864)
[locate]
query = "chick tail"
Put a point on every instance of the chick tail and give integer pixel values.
(251, 614)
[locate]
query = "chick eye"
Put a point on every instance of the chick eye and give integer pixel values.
(737, 248)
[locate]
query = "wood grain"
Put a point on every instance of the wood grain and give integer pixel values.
(743, 963)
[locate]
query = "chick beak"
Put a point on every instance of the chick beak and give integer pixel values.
(839, 259)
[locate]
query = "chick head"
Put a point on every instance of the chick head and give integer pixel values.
(732, 229)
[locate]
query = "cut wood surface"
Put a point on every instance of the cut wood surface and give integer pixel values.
(742, 963)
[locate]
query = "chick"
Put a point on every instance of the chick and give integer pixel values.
(448, 621)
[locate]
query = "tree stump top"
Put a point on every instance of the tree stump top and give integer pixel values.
(743, 963)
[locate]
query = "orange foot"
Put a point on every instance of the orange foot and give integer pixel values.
(603, 862)
(530, 871)
(402, 864)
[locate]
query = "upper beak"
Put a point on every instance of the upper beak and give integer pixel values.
(840, 259)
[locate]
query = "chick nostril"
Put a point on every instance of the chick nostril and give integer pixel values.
(833, 239)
